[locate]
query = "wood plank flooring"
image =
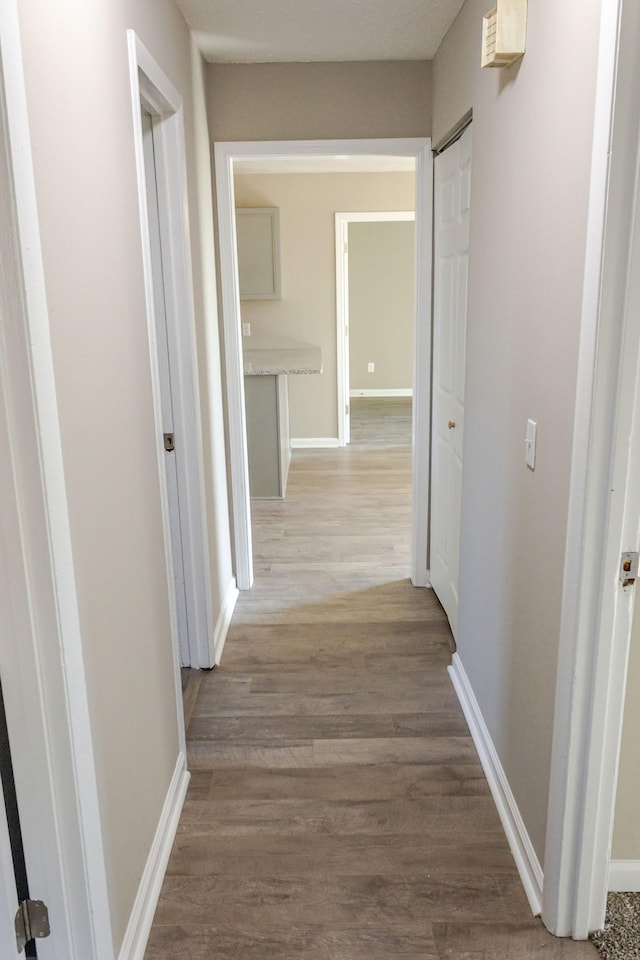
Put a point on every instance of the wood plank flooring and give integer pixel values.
(337, 809)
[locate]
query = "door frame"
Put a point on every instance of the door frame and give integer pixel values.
(604, 506)
(151, 89)
(225, 154)
(45, 696)
(342, 221)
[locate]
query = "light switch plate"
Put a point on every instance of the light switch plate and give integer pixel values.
(371, 367)
(530, 443)
(246, 329)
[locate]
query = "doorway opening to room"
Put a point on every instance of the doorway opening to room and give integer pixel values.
(230, 158)
(375, 309)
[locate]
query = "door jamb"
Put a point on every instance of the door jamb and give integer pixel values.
(151, 88)
(53, 756)
(604, 509)
(225, 155)
(342, 221)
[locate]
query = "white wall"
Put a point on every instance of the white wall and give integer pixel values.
(307, 309)
(381, 304)
(532, 131)
(79, 104)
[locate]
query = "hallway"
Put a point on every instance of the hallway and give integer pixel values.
(337, 809)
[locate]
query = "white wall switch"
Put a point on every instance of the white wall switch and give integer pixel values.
(371, 368)
(246, 329)
(530, 443)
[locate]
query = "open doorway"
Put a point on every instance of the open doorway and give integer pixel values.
(375, 308)
(227, 158)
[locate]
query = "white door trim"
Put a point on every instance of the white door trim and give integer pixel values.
(46, 701)
(225, 155)
(604, 508)
(342, 221)
(151, 88)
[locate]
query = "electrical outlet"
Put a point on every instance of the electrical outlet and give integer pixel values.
(371, 368)
(246, 329)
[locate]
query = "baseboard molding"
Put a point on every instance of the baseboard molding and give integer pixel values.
(624, 876)
(400, 392)
(521, 847)
(146, 901)
(422, 578)
(224, 619)
(311, 443)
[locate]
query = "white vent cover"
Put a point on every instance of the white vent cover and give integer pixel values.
(504, 31)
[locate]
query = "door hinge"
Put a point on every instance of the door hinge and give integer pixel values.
(32, 922)
(169, 442)
(629, 567)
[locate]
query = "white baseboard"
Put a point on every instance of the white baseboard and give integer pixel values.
(521, 847)
(144, 906)
(224, 619)
(310, 443)
(624, 876)
(399, 392)
(422, 578)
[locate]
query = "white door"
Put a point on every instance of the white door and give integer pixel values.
(452, 172)
(164, 369)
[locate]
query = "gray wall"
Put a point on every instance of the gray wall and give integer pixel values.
(381, 304)
(319, 101)
(80, 116)
(307, 310)
(532, 133)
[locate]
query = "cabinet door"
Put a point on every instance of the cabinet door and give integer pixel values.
(258, 236)
(261, 400)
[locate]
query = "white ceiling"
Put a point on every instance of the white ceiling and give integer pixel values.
(261, 31)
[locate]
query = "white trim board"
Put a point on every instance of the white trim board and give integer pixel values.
(152, 88)
(519, 841)
(624, 876)
(399, 392)
(60, 810)
(225, 156)
(314, 443)
(224, 620)
(146, 901)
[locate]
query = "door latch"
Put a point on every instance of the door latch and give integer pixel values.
(32, 922)
(629, 567)
(169, 442)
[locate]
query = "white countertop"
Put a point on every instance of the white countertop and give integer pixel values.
(264, 357)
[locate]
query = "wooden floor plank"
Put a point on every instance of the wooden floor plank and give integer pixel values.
(337, 809)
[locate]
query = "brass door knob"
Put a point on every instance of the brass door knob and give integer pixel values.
(451, 424)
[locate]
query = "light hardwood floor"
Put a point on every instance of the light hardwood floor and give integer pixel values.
(337, 809)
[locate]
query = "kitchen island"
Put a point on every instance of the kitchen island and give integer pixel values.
(267, 367)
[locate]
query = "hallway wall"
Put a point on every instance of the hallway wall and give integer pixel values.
(319, 101)
(80, 114)
(528, 230)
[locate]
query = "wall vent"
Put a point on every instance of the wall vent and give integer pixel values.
(504, 31)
